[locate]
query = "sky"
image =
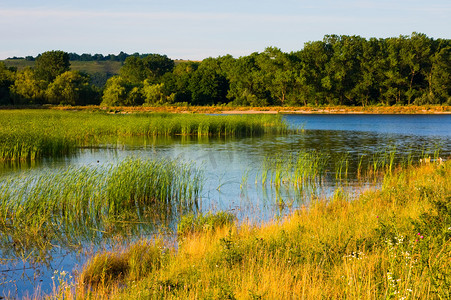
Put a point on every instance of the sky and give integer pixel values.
(198, 29)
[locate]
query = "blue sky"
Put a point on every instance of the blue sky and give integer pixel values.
(198, 29)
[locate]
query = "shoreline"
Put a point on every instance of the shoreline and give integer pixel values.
(420, 110)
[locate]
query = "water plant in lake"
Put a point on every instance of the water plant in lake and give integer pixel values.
(299, 170)
(90, 202)
(32, 134)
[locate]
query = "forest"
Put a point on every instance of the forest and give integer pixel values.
(339, 70)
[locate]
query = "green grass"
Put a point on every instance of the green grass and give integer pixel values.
(32, 134)
(89, 203)
(393, 243)
(192, 223)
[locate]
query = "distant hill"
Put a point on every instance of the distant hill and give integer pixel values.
(99, 71)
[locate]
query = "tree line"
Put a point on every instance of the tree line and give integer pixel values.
(339, 70)
(122, 56)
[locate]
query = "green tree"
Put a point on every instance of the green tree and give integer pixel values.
(27, 89)
(134, 70)
(314, 58)
(440, 79)
(151, 67)
(278, 75)
(366, 89)
(158, 65)
(396, 73)
(115, 92)
(50, 64)
(246, 84)
(176, 83)
(6, 80)
(343, 69)
(70, 88)
(154, 94)
(207, 86)
(415, 55)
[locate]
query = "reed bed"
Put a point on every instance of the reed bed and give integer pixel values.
(32, 134)
(393, 243)
(81, 202)
(307, 170)
(299, 170)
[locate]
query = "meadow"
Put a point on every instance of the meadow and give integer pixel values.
(391, 243)
(28, 135)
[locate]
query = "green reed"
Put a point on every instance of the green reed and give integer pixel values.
(304, 168)
(76, 202)
(32, 134)
(89, 191)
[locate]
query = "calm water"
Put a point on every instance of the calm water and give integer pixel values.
(233, 169)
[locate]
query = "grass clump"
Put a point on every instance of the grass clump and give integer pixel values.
(391, 243)
(192, 223)
(67, 206)
(133, 262)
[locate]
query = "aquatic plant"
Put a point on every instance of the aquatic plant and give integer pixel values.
(299, 170)
(81, 203)
(32, 134)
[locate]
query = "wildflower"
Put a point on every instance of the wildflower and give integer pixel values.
(421, 237)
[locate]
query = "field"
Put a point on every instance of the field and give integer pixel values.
(393, 243)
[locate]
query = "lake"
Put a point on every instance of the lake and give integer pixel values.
(239, 176)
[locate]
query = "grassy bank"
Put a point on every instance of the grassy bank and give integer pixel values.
(32, 134)
(394, 243)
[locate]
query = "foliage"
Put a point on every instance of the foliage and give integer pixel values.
(151, 67)
(50, 64)
(69, 88)
(118, 92)
(27, 89)
(6, 80)
(153, 93)
(339, 70)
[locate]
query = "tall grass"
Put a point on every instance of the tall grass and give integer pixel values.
(82, 202)
(32, 134)
(394, 243)
(299, 170)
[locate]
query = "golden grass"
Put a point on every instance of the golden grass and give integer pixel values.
(394, 243)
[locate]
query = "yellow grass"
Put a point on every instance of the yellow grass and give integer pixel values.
(394, 243)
